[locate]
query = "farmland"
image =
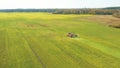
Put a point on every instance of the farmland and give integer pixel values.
(38, 40)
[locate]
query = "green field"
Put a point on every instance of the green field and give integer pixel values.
(38, 40)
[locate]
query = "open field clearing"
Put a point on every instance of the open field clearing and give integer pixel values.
(38, 40)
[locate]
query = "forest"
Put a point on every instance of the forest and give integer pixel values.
(115, 11)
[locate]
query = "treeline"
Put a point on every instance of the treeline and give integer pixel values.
(113, 8)
(27, 10)
(115, 11)
(116, 14)
(86, 11)
(98, 11)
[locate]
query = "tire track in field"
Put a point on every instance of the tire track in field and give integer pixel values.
(76, 59)
(3, 49)
(102, 48)
(111, 60)
(32, 49)
(39, 59)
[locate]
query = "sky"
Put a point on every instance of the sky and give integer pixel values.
(23, 4)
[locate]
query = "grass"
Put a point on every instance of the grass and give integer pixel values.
(38, 40)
